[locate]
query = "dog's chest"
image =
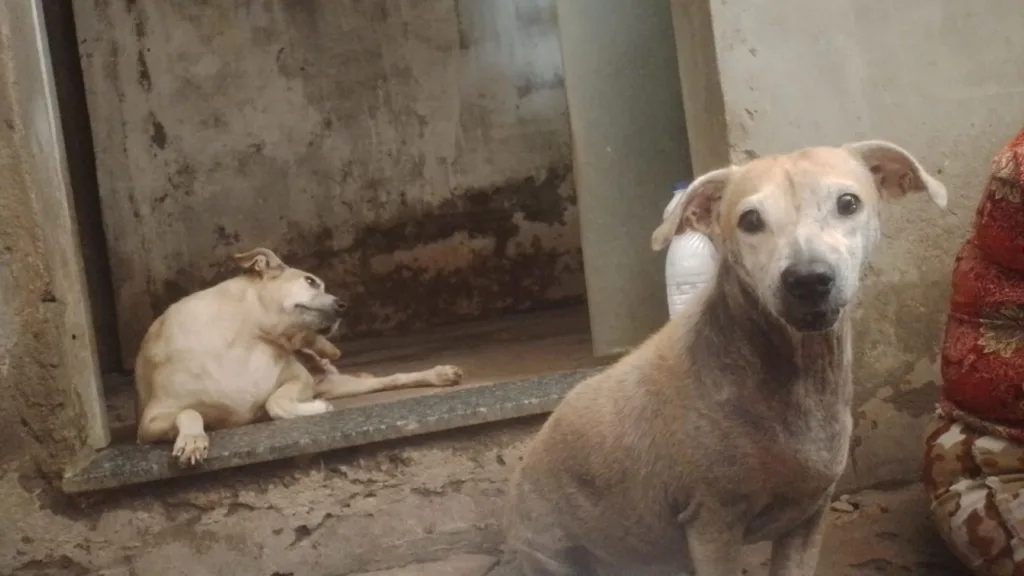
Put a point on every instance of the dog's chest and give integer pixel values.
(779, 511)
(794, 471)
(247, 377)
(790, 489)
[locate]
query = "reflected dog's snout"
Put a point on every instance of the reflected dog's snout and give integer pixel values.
(810, 282)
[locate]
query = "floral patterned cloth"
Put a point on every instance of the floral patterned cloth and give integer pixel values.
(983, 352)
(974, 447)
(976, 482)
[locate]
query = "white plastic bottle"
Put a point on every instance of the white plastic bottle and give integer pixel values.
(691, 263)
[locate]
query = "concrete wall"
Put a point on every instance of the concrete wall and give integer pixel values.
(944, 80)
(394, 148)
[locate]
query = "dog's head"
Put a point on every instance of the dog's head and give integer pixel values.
(799, 228)
(292, 299)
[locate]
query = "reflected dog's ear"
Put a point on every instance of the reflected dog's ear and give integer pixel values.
(260, 261)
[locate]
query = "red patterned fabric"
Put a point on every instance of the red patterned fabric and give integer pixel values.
(983, 352)
(999, 221)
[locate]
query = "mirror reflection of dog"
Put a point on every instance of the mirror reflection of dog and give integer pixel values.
(731, 425)
(250, 347)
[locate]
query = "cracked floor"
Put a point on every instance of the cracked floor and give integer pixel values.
(872, 533)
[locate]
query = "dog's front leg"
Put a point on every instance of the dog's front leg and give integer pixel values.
(715, 541)
(335, 385)
(185, 427)
(294, 395)
(796, 552)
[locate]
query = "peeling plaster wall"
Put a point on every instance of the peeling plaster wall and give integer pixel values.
(413, 153)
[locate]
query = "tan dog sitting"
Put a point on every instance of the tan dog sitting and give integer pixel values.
(731, 424)
(229, 355)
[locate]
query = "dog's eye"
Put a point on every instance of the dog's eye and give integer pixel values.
(751, 222)
(312, 282)
(847, 204)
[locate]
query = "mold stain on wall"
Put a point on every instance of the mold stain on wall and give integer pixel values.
(416, 155)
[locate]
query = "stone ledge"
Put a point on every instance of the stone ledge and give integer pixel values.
(125, 465)
(460, 565)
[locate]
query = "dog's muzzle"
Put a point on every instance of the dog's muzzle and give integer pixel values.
(327, 319)
(338, 307)
(808, 302)
(336, 317)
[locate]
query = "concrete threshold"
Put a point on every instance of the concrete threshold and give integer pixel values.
(129, 464)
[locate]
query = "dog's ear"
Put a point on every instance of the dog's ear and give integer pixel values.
(693, 209)
(261, 261)
(896, 172)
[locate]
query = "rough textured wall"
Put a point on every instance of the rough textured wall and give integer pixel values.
(942, 79)
(40, 413)
(413, 153)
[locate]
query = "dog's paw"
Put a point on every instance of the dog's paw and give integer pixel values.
(447, 375)
(191, 449)
(325, 349)
(320, 406)
(328, 366)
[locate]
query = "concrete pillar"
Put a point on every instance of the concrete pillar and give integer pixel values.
(48, 369)
(629, 148)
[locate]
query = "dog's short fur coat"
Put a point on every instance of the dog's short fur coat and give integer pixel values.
(247, 348)
(730, 425)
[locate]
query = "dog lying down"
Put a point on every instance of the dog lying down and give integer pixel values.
(251, 347)
(732, 423)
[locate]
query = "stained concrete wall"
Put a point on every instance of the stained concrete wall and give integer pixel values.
(942, 79)
(395, 148)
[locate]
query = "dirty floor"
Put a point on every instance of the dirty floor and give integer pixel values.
(870, 534)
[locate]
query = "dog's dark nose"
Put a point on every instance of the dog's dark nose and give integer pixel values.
(809, 282)
(339, 306)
